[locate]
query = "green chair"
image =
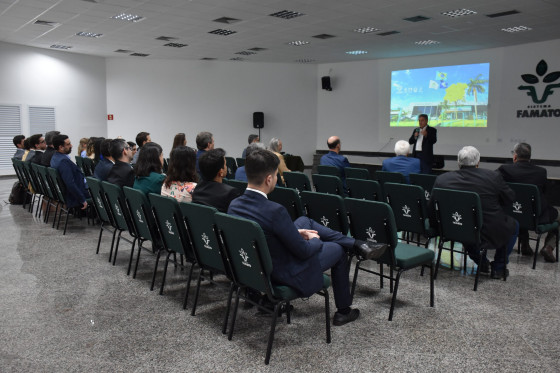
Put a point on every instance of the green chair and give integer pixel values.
(459, 219)
(144, 225)
(364, 189)
(40, 187)
(80, 163)
(35, 188)
(42, 175)
(328, 184)
(240, 162)
(526, 209)
(174, 234)
(297, 180)
(356, 173)
(328, 170)
(60, 193)
(102, 210)
(251, 266)
(115, 196)
(89, 166)
(231, 167)
(241, 185)
(327, 209)
(426, 181)
(288, 198)
(375, 222)
(24, 179)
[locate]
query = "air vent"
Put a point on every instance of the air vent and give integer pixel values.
(46, 23)
(222, 32)
(166, 38)
(416, 19)
(366, 30)
(387, 33)
(227, 20)
(503, 14)
(58, 46)
(175, 45)
(89, 34)
(128, 17)
(426, 42)
(123, 51)
(139, 54)
(305, 60)
(355, 53)
(458, 13)
(324, 36)
(517, 29)
(246, 53)
(286, 14)
(257, 49)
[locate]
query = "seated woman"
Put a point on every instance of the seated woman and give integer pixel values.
(181, 175)
(148, 169)
(275, 146)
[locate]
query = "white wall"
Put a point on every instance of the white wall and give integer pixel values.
(74, 84)
(358, 107)
(165, 97)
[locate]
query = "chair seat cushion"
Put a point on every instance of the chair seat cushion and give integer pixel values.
(541, 228)
(408, 256)
(286, 292)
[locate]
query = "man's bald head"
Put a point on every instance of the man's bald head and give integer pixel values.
(334, 143)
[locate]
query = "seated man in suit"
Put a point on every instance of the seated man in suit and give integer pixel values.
(211, 191)
(122, 173)
(333, 158)
(76, 188)
(240, 173)
(18, 142)
(50, 150)
(253, 139)
(106, 163)
(301, 250)
(499, 230)
(204, 143)
(402, 163)
(523, 171)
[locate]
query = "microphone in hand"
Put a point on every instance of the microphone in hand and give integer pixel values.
(416, 132)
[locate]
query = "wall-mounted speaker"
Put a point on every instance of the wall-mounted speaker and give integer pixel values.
(258, 119)
(326, 83)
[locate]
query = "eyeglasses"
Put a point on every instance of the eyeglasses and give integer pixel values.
(42, 141)
(127, 147)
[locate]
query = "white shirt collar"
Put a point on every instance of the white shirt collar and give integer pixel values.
(258, 191)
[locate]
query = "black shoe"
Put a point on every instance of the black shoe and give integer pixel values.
(526, 250)
(340, 319)
(484, 267)
(369, 250)
(497, 275)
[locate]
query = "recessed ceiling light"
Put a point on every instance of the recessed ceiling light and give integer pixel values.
(387, 33)
(237, 59)
(257, 49)
(123, 51)
(366, 30)
(286, 14)
(416, 19)
(222, 32)
(502, 14)
(426, 42)
(458, 13)
(355, 53)
(298, 42)
(324, 36)
(246, 53)
(175, 45)
(46, 23)
(227, 20)
(89, 34)
(140, 54)
(128, 17)
(305, 60)
(57, 46)
(516, 29)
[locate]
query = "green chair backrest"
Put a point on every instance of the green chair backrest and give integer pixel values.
(240, 162)
(426, 181)
(328, 184)
(141, 213)
(89, 166)
(297, 180)
(115, 197)
(409, 206)
(328, 170)
(200, 223)
(42, 179)
(288, 198)
(326, 209)
(231, 167)
(247, 252)
(36, 180)
(98, 195)
(80, 163)
(30, 176)
(364, 189)
(393, 177)
(459, 215)
(241, 185)
(526, 208)
(356, 173)
(171, 224)
(58, 184)
(374, 222)
(17, 169)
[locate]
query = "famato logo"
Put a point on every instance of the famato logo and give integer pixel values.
(539, 110)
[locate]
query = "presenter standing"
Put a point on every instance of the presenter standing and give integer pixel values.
(423, 139)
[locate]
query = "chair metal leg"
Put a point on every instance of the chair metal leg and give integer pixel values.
(140, 242)
(99, 240)
(65, 222)
(438, 258)
(327, 314)
(155, 270)
(451, 256)
(116, 248)
(112, 244)
(381, 275)
(482, 256)
(193, 312)
(228, 308)
(234, 316)
(131, 255)
(395, 294)
(390, 279)
(165, 272)
(536, 251)
(271, 334)
(355, 279)
(432, 285)
(188, 287)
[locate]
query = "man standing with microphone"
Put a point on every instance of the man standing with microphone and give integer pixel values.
(423, 139)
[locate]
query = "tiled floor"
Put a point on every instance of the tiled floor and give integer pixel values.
(65, 309)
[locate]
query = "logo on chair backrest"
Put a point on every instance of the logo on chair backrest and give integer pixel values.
(406, 211)
(245, 257)
(457, 218)
(139, 214)
(169, 227)
(427, 194)
(99, 202)
(297, 190)
(371, 235)
(325, 221)
(517, 208)
(206, 241)
(117, 209)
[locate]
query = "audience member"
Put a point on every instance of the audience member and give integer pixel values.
(211, 191)
(499, 230)
(252, 140)
(90, 151)
(333, 158)
(181, 175)
(122, 173)
(37, 143)
(105, 164)
(141, 139)
(523, 171)
(423, 139)
(180, 139)
(97, 156)
(28, 153)
(204, 142)
(49, 152)
(149, 177)
(132, 147)
(275, 146)
(240, 173)
(402, 163)
(301, 250)
(18, 142)
(82, 148)
(76, 188)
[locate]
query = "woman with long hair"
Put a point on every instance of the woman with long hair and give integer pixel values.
(181, 175)
(148, 169)
(275, 146)
(179, 140)
(82, 147)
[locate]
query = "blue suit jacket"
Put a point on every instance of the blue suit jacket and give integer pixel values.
(402, 164)
(295, 261)
(240, 174)
(76, 190)
(102, 169)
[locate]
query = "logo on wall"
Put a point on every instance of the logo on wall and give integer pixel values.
(540, 109)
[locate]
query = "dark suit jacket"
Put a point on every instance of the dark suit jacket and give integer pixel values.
(47, 155)
(295, 261)
(404, 165)
(102, 169)
(121, 174)
(37, 157)
(497, 225)
(73, 178)
(218, 195)
(427, 144)
(528, 173)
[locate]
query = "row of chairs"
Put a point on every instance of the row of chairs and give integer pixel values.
(86, 165)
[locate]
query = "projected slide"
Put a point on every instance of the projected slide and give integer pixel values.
(452, 96)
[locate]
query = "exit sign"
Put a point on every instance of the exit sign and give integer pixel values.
(109, 116)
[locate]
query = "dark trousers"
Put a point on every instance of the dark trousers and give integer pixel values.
(474, 252)
(425, 162)
(334, 256)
